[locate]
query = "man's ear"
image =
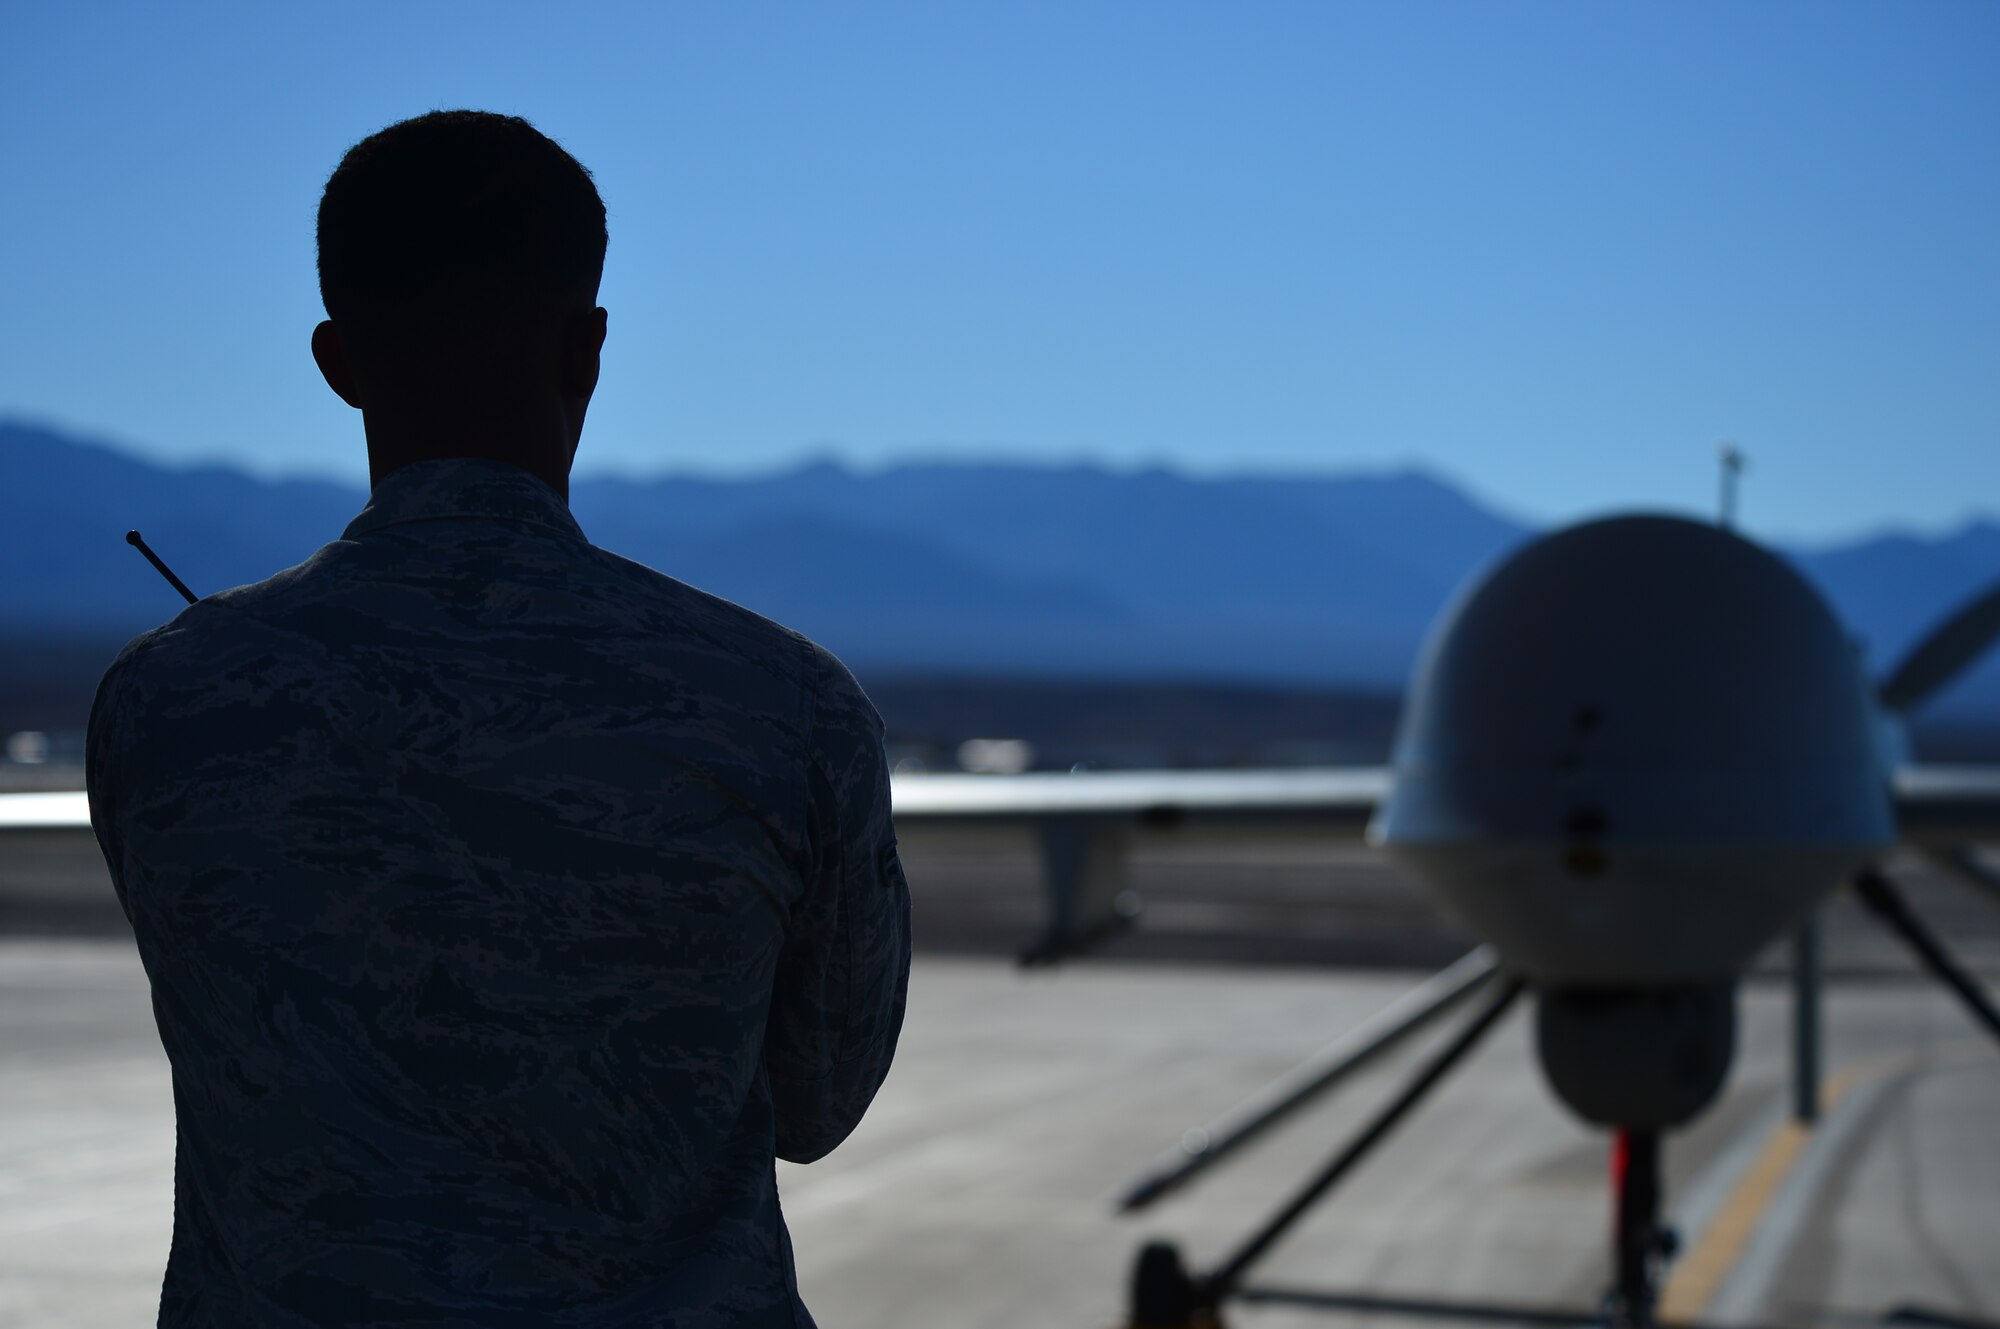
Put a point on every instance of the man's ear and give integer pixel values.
(331, 357)
(583, 341)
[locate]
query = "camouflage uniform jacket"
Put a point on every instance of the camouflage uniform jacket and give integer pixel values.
(507, 906)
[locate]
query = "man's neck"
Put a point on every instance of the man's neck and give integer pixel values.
(542, 453)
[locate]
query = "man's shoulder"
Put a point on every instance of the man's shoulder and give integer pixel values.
(130, 659)
(201, 638)
(720, 624)
(838, 701)
(181, 669)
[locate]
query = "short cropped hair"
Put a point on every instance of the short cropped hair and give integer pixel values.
(456, 211)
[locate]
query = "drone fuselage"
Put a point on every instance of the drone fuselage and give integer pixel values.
(1635, 752)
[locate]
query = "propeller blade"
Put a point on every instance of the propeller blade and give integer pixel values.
(1949, 648)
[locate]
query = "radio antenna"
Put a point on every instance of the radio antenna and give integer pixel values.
(133, 538)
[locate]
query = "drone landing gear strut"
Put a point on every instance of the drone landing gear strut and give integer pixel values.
(1894, 912)
(1166, 1296)
(1640, 1245)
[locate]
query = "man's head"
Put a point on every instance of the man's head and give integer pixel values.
(459, 259)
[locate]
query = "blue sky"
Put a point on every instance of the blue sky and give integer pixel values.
(1553, 251)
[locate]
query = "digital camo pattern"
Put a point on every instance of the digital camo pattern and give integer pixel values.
(506, 906)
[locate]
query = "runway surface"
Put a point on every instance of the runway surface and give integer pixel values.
(979, 1190)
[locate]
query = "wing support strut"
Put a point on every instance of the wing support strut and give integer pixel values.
(1805, 1020)
(1083, 872)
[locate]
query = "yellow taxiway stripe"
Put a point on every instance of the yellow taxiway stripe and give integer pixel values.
(1700, 1273)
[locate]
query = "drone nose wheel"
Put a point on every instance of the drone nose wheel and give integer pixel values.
(1164, 1296)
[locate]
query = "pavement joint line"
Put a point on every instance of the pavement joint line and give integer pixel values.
(1709, 1191)
(1692, 1289)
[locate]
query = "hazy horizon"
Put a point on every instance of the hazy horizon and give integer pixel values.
(770, 468)
(945, 570)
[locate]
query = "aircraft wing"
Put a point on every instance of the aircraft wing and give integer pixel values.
(1943, 808)
(1335, 801)
(1331, 800)
(1084, 823)
(1935, 805)
(65, 811)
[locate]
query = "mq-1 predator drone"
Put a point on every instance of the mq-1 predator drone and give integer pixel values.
(1634, 753)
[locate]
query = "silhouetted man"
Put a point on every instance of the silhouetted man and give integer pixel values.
(506, 904)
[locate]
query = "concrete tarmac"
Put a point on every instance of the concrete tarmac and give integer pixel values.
(978, 1192)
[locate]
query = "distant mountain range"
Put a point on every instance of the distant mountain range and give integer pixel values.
(999, 571)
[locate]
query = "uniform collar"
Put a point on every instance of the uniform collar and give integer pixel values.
(463, 487)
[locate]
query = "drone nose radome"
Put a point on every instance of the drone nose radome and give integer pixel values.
(1635, 750)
